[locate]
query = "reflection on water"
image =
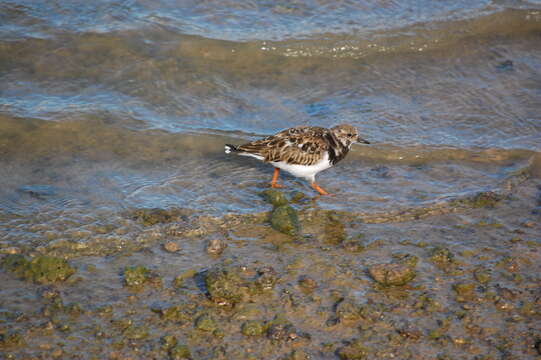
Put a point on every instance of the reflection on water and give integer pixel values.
(127, 104)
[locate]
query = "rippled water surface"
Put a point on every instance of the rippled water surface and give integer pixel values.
(109, 106)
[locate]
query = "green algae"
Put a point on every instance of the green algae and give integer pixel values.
(135, 276)
(205, 322)
(150, 217)
(225, 286)
(441, 257)
(334, 232)
(464, 291)
(355, 350)
(484, 199)
(482, 275)
(180, 352)
(274, 197)
(177, 313)
(179, 281)
(136, 332)
(285, 220)
(392, 274)
(253, 328)
(41, 269)
(11, 339)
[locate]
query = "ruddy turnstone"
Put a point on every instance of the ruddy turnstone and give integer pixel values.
(303, 151)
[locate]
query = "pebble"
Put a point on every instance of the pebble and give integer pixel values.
(216, 246)
(171, 246)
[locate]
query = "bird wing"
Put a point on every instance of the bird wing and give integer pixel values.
(302, 145)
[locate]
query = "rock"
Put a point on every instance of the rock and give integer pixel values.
(224, 285)
(354, 351)
(149, 217)
(285, 220)
(274, 197)
(281, 331)
(464, 291)
(307, 284)
(41, 269)
(136, 276)
(334, 231)
(482, 275)
(266, 278)
(135, 332)
(179, 280)
(205, 323)
(252, 328)
(392, 274)
(216, 246)
(347, 311)
(441, 256)
(171, 246)
(297, 355)
(168, 342)
(180, 352)
(12, 250)
(9, 340)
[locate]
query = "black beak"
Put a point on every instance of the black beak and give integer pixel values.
(362, 141)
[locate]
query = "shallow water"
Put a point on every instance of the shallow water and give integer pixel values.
(111, 106)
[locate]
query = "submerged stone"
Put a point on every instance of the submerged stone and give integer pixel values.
(136, 276)
(274, 197)
(253, 328)
(216, 246)
(441, 256)
(464, 291)
(354, 351)
(225, 286)
(149, 217)
(334, 231)
(266, 278)
(205, 323)
(482, 276)
(347, 311)
(41, 269)
(180, 352)
(10, 340)
(285, 220)
(392, 274)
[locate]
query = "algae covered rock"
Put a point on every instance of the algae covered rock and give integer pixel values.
(149, 217)
(253, 328)
(441, 257)
(180, 352)
(137, 276)
(285, 220)
(9, 339)
(392, 274)
(225, 286)
(353, 351)
(274, 197)
(464, 291)
(205, 323)
(41, 269)
(334, 231)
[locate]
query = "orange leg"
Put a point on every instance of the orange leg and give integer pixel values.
(319, 189)
(275, 179)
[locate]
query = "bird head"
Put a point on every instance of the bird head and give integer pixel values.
(348, 135)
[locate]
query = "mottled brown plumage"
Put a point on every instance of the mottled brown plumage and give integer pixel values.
(303, 150)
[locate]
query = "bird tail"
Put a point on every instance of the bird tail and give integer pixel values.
(230, 148)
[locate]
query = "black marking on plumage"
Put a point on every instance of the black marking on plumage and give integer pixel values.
(337, 151)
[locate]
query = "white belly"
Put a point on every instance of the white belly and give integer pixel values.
(304, 171)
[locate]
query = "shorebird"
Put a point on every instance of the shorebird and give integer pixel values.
(303, 151)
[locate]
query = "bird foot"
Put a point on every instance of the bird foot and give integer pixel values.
(320, 190)
(277, 186)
